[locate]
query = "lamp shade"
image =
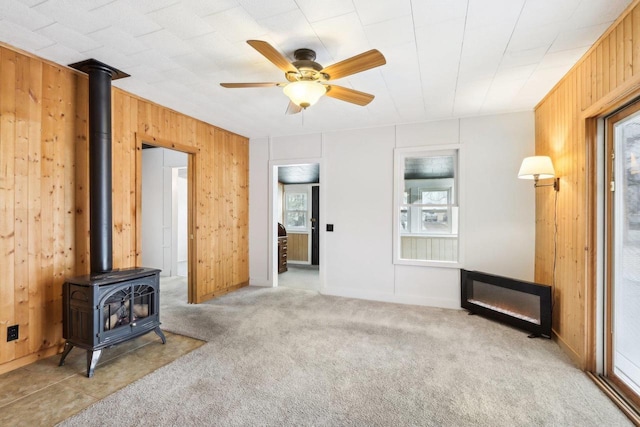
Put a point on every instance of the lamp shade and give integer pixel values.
(536, 167)
(304, 93)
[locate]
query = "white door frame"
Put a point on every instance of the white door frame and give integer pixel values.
(273, 213)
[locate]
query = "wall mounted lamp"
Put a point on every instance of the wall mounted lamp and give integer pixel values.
(539, 167)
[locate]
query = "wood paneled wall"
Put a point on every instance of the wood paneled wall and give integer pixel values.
(44, 200)
(607, 77)
(298, 247)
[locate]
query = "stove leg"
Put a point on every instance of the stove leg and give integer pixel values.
(92, 360)
(67, 349)
(160, 334)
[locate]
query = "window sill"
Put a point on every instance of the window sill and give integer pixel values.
(425, 263)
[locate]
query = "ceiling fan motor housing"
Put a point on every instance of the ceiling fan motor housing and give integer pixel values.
(305, 63)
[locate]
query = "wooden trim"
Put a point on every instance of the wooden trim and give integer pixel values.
(219, 293)
(27, 360)
(191, 203)
(591, 140)
(624, 406)
(569, 351)
(621, 114)
(164, 143)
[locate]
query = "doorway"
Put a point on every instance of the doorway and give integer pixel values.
(622, 252)
(165, 214)
(296, 202)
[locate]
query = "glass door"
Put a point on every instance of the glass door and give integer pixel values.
(622, 336)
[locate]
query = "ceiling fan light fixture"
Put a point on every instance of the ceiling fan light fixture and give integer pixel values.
(305, 93)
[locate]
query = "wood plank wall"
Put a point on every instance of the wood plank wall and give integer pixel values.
(298, 247)
(44, 201)
(607, 77)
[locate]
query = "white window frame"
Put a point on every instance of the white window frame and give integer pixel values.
(400, 154)
(297, 189)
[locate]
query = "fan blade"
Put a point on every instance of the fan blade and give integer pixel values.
(293, 108)
(365, 61)
(273, 55)
(237, 85)
(349, 95)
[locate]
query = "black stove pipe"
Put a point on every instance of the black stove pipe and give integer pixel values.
(100, 177)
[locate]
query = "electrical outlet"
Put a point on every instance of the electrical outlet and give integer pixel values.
(12, 333)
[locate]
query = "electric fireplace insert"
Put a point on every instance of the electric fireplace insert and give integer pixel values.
(525, 305)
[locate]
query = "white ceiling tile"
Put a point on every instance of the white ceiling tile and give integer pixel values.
(542, 12)
(542, 81)
(68, 37)
(526, 38)
(372, 12)
(121, 14)
(523, 57)
(440, 43)
(112, 57)
(235, 25)
(17, 35)
(207, 7)
(61, 54)
(298, 34)
(561, 58)
(216, 47)
(343, 36)
(486, 13)
(594, 12)
(391, 32)
(502, 93)
(165, 43)
(370, 82)
(147, 6)
(261, 9)
(316, 10)
(522, 72)
(429, 12)
(180, 21)
(114, 36)
(411, 109)
(79, 16)
(197, 63)
(470, 96)
(582, 37)
(21, 14)
(32, 3)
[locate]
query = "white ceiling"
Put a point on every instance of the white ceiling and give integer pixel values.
(445, 58)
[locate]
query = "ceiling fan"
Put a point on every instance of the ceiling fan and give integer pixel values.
(307, 81)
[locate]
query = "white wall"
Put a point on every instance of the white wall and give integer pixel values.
(357, 197)
(159, 208)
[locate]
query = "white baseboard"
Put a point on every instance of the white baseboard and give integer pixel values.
(261, 283)
(388, 297)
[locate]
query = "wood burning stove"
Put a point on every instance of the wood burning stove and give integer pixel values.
(106, 309)
(525, 305)
(107, 306)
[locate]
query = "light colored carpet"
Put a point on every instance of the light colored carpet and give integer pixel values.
(300, 277)
(278, 356)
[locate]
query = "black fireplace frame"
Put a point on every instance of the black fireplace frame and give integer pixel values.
(543, 291)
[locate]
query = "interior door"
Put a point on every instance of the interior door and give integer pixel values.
(622, 331)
